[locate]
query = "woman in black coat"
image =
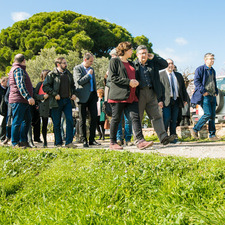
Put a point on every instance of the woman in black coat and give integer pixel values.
(43, 103)
(122, 95)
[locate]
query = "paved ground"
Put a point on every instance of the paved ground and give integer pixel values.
(185, 149)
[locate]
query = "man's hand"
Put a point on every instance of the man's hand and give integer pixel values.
(150, 56)
(73, 97)
(31, 101)
(160, 104)
(90, 71)
(185, 103)
(57, 97)
(46, 96)
(205, 94)
(133, 83)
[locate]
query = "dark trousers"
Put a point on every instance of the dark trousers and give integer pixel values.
(91, 105)
(44, 128)
(132, 109)
(170, 114)
(3, 129)
(100, 127)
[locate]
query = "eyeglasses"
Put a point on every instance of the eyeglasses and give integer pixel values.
(63, 63)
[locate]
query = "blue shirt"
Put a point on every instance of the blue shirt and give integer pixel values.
(91, 80)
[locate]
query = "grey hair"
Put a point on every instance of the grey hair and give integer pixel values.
(19, 58)
(207, 55)
(141, 47)
(113, 52)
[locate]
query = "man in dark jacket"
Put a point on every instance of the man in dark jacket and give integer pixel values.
(205, 95)
(59, 85)
(174, 96)
(84, 77)
(3, 108)
(150, 94)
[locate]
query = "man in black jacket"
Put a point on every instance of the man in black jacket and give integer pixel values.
(59, 85)
(147, 68)
(3, 108)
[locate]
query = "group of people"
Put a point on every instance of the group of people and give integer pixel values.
(150, 83)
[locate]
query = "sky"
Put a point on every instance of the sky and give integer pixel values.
(178, 29)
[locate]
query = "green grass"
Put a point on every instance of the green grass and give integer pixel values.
(109, 187)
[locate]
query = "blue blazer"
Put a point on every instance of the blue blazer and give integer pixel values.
(201, 76)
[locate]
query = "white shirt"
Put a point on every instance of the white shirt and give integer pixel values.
(175, 83)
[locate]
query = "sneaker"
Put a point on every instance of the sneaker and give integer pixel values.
(120, 142)
(166, 140)
(129, 143)
(71, 145)
(115, 146)
(144, 144)
(5, 142)
(214, 138)
(194, 134)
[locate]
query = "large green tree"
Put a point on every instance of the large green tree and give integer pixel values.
(65, 31)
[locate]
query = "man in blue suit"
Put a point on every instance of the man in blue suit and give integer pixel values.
(85, 82)
(205, 95)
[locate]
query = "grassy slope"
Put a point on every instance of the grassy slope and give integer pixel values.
(107, 187)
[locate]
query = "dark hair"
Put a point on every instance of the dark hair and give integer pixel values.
(141, 47)
(87, 56)
(123, 47)
(59, 60)
(19, 58)
(44, 74)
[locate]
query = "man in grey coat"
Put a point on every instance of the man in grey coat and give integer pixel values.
(174, 96)
(85, 82)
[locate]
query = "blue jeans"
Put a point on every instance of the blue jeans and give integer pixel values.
(170, 114)
(127, 128)
(209, 107)
(64, 105)
(21, 122)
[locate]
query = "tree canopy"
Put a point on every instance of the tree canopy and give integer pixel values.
(65, 31)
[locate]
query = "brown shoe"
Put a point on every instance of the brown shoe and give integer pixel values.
(214, 138)
(166, 140)
(144, 144)
(194, 134)
(115, 146)
(71, 145)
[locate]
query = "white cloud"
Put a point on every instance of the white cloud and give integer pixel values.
(181, 41)
(17, 16)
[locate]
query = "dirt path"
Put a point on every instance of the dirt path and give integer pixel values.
(184, 149)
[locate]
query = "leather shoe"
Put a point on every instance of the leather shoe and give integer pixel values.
(38, 141)
(94, 143)
(168, 139)
(85, 144)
